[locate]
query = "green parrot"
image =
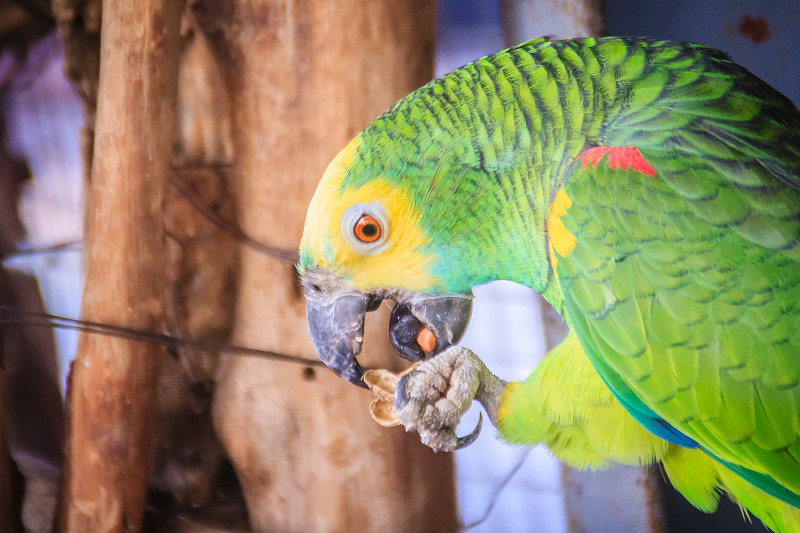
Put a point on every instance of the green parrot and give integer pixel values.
(650, 190)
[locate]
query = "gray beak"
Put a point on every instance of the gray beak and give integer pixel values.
(446, 316)
(336, 312)
(337, 331)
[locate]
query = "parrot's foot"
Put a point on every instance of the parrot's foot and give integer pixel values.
(431, 399)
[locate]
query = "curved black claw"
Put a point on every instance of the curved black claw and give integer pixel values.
(400, 393)
(466, 440)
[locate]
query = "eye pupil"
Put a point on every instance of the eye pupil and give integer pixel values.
(367, 229)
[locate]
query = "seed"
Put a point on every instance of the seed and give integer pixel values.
(426, 340)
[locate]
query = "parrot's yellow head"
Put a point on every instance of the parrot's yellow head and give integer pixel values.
(369, 235)
(365, 241)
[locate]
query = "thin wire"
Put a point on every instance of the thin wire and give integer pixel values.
(222, 223)
(229, 226)
(499, 490)
(73, 245)
(12, 316)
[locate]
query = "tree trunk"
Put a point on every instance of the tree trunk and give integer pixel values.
(305, 77)
(112, 389)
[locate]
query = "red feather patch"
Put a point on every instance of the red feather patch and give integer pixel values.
(619, 158)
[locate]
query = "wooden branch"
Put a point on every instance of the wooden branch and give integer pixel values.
(305, 77)
(112, 389)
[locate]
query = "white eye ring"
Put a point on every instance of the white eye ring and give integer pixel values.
(352, 221)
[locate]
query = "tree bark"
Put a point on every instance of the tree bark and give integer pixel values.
(112, 385)
(305, 77)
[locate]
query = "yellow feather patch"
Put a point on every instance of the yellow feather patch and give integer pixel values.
(401, 263)
(562, 242)
(565, 405)
(503, 410)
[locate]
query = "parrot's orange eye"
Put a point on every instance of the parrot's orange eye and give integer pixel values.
(367, 229)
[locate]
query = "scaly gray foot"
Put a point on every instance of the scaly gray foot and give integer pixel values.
(431, 399)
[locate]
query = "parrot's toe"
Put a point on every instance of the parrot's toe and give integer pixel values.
(431, 399)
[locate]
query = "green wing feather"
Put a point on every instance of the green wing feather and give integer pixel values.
(683, 288)
(695, 314)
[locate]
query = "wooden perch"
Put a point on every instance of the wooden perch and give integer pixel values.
(112, 384)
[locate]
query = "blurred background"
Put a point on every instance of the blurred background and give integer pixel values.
(499, 488)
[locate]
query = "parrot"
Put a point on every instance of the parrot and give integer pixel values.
(650, 191)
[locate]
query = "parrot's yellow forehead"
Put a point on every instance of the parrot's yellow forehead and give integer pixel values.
(399, 262)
